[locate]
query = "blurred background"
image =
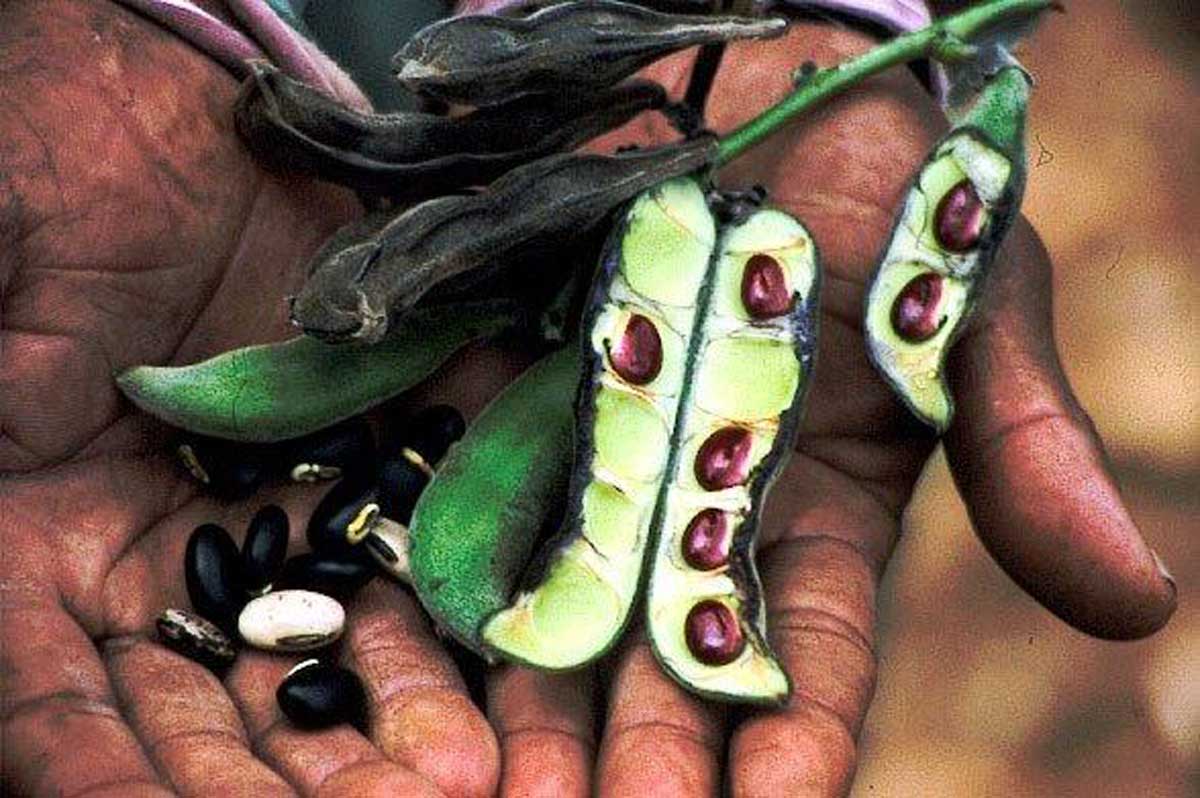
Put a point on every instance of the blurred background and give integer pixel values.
(981, 692)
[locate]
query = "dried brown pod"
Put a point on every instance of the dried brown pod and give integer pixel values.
(408, 155)
(373, 271)
(567, 48)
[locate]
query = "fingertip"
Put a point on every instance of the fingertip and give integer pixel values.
(806, 752)
(440, 734)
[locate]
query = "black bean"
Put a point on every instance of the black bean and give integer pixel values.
(214, 580)
(227, 468)
(316, 695)
(332, 452)
(431, 431)
(343, 516)
(264, 548)
(339, 577)
(402, 477)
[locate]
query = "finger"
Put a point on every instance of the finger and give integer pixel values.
(820, 597)
(546, 727)
(658, 739)
(1032, 469)
(420, 713)
(63, 733)
(186, 721)
(334, 761)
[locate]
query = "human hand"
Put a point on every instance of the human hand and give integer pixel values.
(134, 228)
(1025, 457)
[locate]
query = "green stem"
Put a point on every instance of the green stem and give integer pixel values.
(943, 40)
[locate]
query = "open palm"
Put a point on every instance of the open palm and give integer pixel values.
(135, 229)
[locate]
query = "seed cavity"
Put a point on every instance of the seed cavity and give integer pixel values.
(724, 459)
(915, 312)
(713, 633)
(706, 540)
(960, 217)
(765, 292)
(637, 355)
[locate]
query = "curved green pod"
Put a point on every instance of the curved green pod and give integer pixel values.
(693, 336)
(474, 527)
(275, 392)
(954, 218)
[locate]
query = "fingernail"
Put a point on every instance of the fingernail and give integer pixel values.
(1162, 569)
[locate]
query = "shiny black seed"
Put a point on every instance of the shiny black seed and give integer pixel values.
(214, 581)
(264, 548)
(196, 639)
(400, 484)
(227, 468)
(316, 695)
(330, 453)
(343, 515)
(431, 431)
(339, 577)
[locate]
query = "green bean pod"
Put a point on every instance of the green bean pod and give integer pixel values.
(279, 391)
(475, 526)
(700, 344)
(411, 154)
(353, 289)
(954, 218)
(573, 47)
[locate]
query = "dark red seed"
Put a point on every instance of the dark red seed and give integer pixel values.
(960, 217)
(765, 290)
(724, 459)
(637, 356)
(713, 634)
(706, 540)
(915, 313)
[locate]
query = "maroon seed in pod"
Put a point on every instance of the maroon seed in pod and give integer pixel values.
(960, 216)
(916, 312)
(764, 288)
(637, 356)
(713, 633)
(706, 540)
(724, 459)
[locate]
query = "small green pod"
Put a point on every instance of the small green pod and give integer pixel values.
(574, 47)
(410, 155)
(275, 392)
(475, 526)
(699, 349)
(379, 271)
(954, 218)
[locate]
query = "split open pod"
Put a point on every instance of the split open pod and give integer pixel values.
(699, 344)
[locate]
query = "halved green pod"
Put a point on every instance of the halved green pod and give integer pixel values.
(475, 525)
(955, 215)
(750, 358)
(698, 357)
(644, 306)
